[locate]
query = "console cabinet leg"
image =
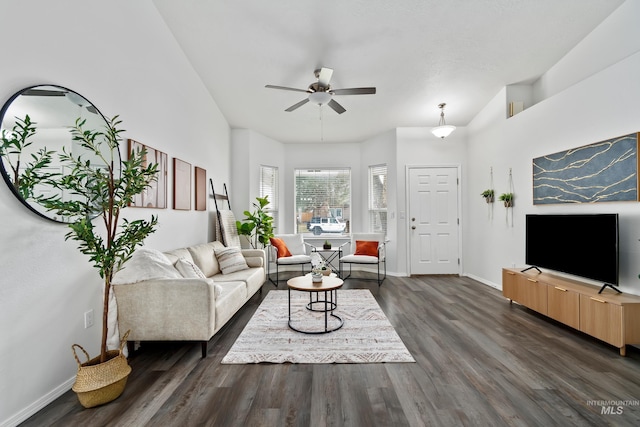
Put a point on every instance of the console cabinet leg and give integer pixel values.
(623, 350)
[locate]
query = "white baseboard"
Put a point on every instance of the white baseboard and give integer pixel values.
(483, 281)
(36, 406)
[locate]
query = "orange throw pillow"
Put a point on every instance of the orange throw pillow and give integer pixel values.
(366, 247)
(279, 244)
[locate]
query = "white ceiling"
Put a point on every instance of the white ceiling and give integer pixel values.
(418, 53)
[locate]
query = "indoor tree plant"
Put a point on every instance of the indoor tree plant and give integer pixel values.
(257, 226)
(100, 189)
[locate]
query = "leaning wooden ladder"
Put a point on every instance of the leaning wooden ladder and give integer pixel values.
(217, 197)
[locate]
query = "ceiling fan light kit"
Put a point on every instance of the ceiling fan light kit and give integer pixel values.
(443, 129)
(321, 93)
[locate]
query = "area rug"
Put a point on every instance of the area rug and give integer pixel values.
(366, 337)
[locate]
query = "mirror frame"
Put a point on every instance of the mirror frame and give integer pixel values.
(6, 175)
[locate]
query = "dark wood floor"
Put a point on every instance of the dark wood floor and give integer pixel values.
(480, 361)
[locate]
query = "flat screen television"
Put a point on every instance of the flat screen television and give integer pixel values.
(584, 245)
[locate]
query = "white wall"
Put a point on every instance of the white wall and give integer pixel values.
(419, 147)
(120, 56)
(589, 109)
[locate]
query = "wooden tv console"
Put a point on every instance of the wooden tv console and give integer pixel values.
(611, 317)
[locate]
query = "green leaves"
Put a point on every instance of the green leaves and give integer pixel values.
(100, 187)
(257, 226)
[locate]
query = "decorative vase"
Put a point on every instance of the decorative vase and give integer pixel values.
(508, 204)
(489, 199)
(326, 271)
(326, 246)
(316, 277)
(99, 383)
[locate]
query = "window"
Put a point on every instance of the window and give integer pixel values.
(269, 187)
(323, 201)
(378, 199)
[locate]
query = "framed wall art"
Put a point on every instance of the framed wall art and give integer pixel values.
(605, 171)
(200, 178)
(181, 185)
(155, 196)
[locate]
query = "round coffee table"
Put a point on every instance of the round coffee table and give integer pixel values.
(329, 286)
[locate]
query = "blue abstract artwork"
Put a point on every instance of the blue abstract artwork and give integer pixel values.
(605, 171)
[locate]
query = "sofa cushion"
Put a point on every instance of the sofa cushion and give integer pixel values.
(189, 269)
(204, 257)
(231, 260)
(233, 295)
(145, 264)
(175, 254)
(253, 277)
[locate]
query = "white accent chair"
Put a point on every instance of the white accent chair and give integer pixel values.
(299, 249)
(349, 257)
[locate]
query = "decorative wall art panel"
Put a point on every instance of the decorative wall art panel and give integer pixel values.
(200, 177)
(154, 196)
(605, 171)
(181, 185)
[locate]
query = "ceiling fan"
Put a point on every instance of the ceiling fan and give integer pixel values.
(320, 92)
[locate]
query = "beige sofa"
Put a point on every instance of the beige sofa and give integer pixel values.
(185, 294)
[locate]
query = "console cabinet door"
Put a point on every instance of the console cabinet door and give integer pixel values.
(535, 295)
(510, 285)
(563, 305)
(601, 319)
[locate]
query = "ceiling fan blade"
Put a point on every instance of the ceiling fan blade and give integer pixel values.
(287, 88)
(336, 107)
(298, 105)
(42, 92)
(355, 91)
(325, 76)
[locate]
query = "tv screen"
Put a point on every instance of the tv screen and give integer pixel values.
(584, 245)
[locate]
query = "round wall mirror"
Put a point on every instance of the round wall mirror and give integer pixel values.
(35, 121)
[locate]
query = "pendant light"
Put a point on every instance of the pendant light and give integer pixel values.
(443, 129)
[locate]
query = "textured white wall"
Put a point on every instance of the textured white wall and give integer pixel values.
(119, 55)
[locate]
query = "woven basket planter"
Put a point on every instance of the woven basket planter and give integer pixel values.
(99, 383)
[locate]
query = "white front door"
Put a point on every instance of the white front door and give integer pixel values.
(433, 220)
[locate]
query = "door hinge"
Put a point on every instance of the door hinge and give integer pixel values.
(458, 261)
(458, 221)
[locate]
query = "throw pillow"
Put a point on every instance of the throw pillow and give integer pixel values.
(279, 244)
(366, 247)
(145, 264)
(189, 270)
(230, 260)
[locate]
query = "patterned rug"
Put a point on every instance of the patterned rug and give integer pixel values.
(366, 337)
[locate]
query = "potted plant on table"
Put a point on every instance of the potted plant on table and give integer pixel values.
(101, 188)
(257, 226)
(327, 245)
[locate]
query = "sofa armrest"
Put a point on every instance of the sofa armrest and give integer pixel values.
(167, 309)
(255, 257)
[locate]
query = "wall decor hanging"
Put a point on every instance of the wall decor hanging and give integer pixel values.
(200, 177)
(507, 199)
(489, 194)
(181, 185)
(155, 195)
(605, 171)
